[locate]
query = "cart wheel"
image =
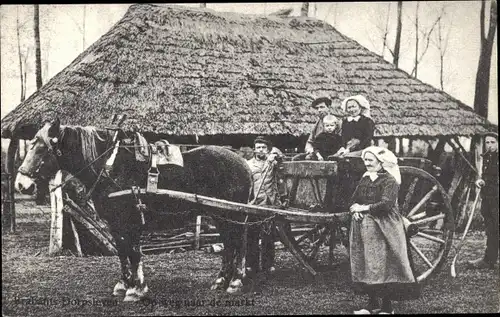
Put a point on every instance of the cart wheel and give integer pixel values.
(310, 239)
(429, 220)
(314, 245)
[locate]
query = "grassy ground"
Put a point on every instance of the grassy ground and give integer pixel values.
(34, 284)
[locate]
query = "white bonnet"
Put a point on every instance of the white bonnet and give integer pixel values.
(387, 158)
(362, 101)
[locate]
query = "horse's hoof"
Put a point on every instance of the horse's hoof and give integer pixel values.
(131, 298)
(119, 289)
(219, 284)
(235, 287)
(135, 294)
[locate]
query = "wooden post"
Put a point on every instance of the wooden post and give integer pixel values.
(197, 233)
(478, 142)
(391, 144)
(56, 219)
(11, 162)
(478, 151)
(397, 146)
(76, 237)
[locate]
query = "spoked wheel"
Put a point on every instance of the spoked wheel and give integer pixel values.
(311, 239)
(314, 244)
(428, 215)
(310, 186)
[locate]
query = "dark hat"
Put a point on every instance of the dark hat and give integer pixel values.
(263, 139)
(321, 100)
(491, 133)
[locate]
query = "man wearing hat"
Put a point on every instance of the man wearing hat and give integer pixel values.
(265, 192)
(323, 105)
(489, 205)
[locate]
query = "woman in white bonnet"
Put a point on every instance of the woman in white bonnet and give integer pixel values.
(357, 127)
(380, 262)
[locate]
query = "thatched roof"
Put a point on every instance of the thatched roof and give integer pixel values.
(192, 71)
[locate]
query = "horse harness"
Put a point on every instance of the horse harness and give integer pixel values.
(158, 152)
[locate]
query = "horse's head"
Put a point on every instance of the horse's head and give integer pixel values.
(40, 160)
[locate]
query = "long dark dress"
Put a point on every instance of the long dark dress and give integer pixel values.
(380, 262)
(362, 130)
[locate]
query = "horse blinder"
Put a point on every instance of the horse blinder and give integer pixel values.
(53, 145)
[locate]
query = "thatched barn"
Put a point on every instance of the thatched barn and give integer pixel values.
(196, 75)
(193, 75)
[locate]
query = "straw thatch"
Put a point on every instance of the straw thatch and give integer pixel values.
(192, 71)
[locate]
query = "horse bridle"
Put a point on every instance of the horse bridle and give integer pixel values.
(51, 150)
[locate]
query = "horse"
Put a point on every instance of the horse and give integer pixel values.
(207, 170)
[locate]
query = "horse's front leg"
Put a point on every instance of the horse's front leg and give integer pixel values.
(240, 244)
(139, 289)
(226, 270)
(126, 280)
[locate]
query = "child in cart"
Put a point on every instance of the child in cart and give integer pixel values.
(327, 142)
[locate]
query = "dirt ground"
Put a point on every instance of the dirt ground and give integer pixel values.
(34, 284)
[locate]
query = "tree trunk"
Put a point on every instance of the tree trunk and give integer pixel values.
(19, 55)
(386, 30)
(397, 44)
(304, 10)
(416, 41)
(441, 56)
(483, 69)
(83, 26)
(42, 191)
(38, 55)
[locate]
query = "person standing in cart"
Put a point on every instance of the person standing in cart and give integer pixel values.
(381, 265)
(357, 134)
(489, 205)
(322, 105)
(265, 192)
(357, 128)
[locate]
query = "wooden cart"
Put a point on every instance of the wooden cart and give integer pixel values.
(308, 230)
(423, 202)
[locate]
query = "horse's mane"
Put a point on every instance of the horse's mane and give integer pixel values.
(87, 135)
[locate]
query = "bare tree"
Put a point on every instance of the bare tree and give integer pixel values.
(20, 57)
(386, 30)
(483, 69)
(304, 10)
(399, 28)
(38, 55)
(45, 58)
(415, 67)
(42, 186)
(22, 54)
(441, 43)
(381, 23)
(203, 5)
(25, 69)
(83, 26)
(426, 38)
